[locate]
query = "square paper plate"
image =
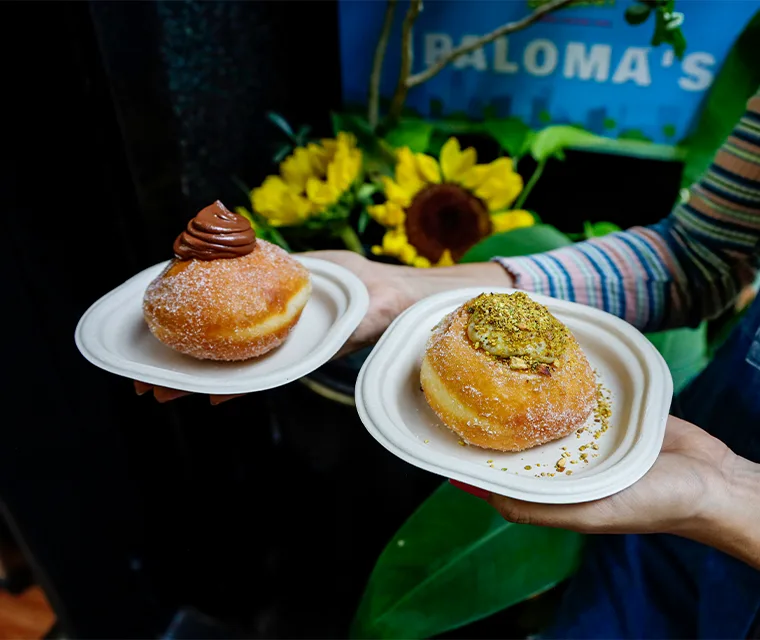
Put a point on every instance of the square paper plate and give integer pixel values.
(393, 409)
(113, 335)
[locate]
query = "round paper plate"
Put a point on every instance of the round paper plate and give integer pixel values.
(112, 334)
(393, 409)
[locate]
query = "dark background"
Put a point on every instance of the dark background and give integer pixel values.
(120, 121)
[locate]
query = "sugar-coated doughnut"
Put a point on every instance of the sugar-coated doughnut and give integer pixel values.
(227, 295)
(504, 374)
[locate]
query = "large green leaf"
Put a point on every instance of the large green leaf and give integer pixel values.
(552, 141)
(737, 80)
(412, 133)
(685, 351)
(520, 242)
(457, 560)
(510, 133)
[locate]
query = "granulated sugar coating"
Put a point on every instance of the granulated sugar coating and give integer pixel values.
(228, 309)
(491, 405)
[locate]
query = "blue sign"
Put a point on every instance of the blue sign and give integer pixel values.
(583, 65)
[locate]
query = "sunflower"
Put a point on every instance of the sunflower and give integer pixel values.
(312, 180)
(436, 210)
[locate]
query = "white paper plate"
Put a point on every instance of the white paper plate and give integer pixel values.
(393, 408)
(112, 334)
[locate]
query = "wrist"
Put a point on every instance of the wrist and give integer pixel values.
(417, 284)
(729, 516)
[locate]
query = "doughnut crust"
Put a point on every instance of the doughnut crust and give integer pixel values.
(228, 309)
(487, 404)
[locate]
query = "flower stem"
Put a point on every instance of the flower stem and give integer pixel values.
(350, 239)
(529, 187)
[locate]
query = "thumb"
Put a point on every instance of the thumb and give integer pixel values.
(566, 516)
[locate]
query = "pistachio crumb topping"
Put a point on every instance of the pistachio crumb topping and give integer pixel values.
(514, 327)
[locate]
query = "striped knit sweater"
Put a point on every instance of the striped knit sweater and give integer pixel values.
(688, 267)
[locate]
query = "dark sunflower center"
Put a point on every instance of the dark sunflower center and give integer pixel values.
(446, 216)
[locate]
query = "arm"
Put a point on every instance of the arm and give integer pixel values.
(697, 489)
(688, 267)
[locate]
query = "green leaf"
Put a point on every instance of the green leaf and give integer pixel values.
(242, 186)
(279, 121)
(457, 560)
(678, 42)
(363, 221)
(544, 116)
(414, 134)
(637, 13)
(519, 242)
(366, 191)
(527, 143)
(609, 123)
(599, 229)
(685, 350)
(510, 133)
(301, 136)
(666, 31)
(552, 141)
(282, 153)
(725, 103)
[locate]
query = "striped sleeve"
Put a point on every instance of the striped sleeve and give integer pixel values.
(688, 267)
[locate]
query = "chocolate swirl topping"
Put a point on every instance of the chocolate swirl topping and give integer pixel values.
(215, 233)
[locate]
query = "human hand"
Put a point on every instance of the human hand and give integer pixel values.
(684, 488)
(392, 289)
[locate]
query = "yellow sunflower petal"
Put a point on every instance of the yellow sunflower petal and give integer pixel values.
(379, 212)
(408, 179)
(319, 158)
(300, 206)
(405, 163)
(474, 176)
(346, 139)
(408, 254)
(389, 214)
(500, 186)
(509, 220)
(499, 193)
(394, 192)
(295, 209)
(455, 162)
(329, 145)
(393, 242)
(280, 206)
(421, 263)
(267, 199)
(322, 194)
(296, 168)
(428, 168)
(407, 175)
(446, 259)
